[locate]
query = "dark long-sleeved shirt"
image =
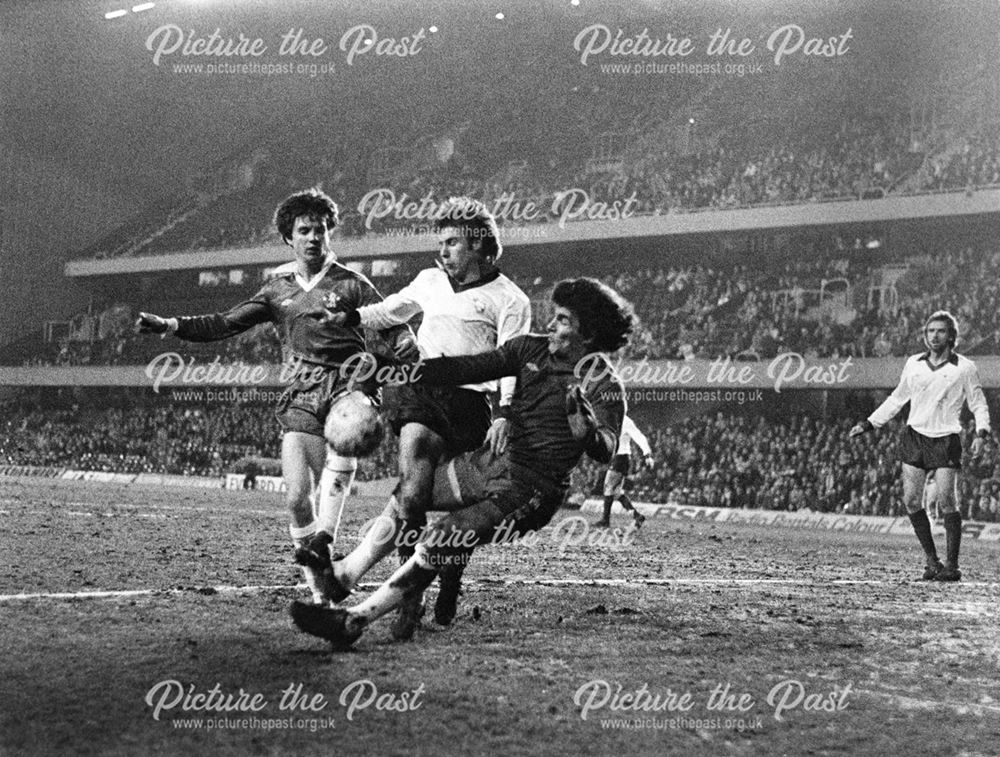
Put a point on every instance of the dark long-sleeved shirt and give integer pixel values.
(540, 438)
(298, 312)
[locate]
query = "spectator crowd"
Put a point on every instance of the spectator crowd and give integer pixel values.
(801, 463)
(192, 438)
(723, 460)
(816, 305)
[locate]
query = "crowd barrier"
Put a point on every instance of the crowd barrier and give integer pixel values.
(689, 513)
(803, 520)
(30, 470)
(262, 483)
(379, 488)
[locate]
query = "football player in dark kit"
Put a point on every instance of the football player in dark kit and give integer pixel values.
(936, 383)
(558, 413)
(299, 300)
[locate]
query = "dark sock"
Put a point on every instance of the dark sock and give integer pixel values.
(320, 539)
(453, 566)
(922, 528)
(953, 535)
(608, 501)
(626, 502)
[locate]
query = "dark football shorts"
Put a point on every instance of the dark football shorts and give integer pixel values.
(304, 405)
(460, 416)
(928, 452)
(468, 477)
(620, 464)
(512, 507)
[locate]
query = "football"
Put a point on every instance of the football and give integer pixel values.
(353, 426)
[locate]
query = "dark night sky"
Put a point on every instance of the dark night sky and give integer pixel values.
(93, 132)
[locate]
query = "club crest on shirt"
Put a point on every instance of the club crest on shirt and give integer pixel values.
(331, 301)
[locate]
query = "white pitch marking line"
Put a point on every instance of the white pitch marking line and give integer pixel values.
(125, 593)
(973, 612)
(611, 582)
(927, 703)
(712, 582)
(161, 511)
(131, 506)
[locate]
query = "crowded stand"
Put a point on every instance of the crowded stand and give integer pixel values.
(859, 160)
(711, 149)
(797, 463)
(815, 304)
(975, 163)
(705, 147)
(174, 435)
(792, 463)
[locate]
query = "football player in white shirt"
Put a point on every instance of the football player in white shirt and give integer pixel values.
(468, 308)
(936, 383)
(614, 479)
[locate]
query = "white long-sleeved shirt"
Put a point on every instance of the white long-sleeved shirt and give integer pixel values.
(631, 433)
(936, 395)
(457, 321)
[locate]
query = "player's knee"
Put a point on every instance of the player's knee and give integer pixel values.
(946, 501)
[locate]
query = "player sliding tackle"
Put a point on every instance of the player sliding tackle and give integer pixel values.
(298, 300)
(936, 383)
(553, 421)
(468, 307)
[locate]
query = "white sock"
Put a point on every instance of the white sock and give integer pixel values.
(378, 543)
(334, 487)
(300, 533)
(389, 595)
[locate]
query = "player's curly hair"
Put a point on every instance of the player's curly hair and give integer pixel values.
(475, 221)
(606, 318)
(949, 320)
(311, 202)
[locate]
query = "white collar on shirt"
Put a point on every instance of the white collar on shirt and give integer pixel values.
(307, 284)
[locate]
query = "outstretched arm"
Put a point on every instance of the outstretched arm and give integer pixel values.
(470, 369)
(210, 327)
